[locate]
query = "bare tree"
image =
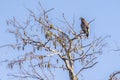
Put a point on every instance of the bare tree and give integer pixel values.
(52, 47)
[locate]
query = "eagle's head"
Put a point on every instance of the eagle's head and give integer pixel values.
(82, 19)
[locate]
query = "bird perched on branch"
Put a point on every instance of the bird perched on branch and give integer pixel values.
(85, 26)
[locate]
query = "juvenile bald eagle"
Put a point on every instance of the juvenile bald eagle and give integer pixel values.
(85, 26)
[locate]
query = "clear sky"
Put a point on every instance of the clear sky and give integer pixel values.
(107, 22)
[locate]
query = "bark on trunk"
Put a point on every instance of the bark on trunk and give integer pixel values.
(72, 75)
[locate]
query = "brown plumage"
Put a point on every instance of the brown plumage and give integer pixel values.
(85, 26)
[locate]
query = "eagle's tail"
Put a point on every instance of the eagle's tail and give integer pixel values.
(87, 35)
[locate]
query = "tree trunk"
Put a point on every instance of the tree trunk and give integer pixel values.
(72, 75)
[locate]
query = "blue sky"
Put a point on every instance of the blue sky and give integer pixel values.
(107, 22)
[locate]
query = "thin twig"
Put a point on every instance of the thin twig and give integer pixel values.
(86, 68)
